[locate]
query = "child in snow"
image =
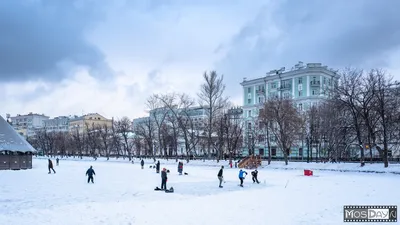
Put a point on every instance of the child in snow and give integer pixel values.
(254, 175)
(57, 161)
(51, 166)
(142, 163)
(221, 176)
(90, 172)
(242, 176)
(180, 168)
(164, 179)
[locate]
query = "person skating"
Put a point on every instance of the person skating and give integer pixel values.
(242, 176)
(57, 161)
(142, 163)
(164, 179)
(221, 176)
(254, 175)
(158, 167)
(90, 172)
(180, 168)
(51, 166)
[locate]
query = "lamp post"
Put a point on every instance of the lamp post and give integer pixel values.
(308, 148)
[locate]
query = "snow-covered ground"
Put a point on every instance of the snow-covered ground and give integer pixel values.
(124, 194)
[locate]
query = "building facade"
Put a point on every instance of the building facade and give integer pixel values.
(90, 120)
(305, 84)
(26, 125)
(57, 124)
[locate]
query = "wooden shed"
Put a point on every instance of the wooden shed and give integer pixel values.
(15, 152)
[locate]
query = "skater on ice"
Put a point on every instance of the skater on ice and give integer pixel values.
(254, 175)
(180, 168)
(242, 176)
(90, 172)
(158, 167)
(57, 161)
(221, 176)
(142, 163)
(51, 166)
(164, 179)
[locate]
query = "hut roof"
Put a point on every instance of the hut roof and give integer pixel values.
(10, 140)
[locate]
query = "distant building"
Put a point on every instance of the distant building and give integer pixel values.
(305, 84)
(57, 124)
(81, 123)
(26, 125)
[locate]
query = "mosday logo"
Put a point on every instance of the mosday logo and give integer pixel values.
(370, 213)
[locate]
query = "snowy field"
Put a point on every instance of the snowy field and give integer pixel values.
(124, 194)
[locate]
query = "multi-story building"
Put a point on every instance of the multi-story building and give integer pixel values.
(81, 123)
(26, 125)
(305, 84)
(57, 124)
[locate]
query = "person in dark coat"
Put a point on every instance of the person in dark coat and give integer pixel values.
(158, 167)
(164, 179)
(57, 161)
(90, 172)
(221, 176)
(142, 163)
(254, 175)
(51, 166)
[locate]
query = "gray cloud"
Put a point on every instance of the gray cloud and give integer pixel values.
(337, 33)
(36, 36)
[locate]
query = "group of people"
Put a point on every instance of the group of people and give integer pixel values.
(90, 172)
(242, 176)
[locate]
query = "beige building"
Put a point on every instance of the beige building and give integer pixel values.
(89, 120)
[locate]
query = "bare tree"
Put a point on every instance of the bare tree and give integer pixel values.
(346, 92)
(105, 137)
(146, 131)
(286, 122)
(386, 107)
(158, 113)
(234, 135)
(124, 130)
(92, 139)
(211, 97)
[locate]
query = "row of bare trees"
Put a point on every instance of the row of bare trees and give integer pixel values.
(92, 140)
(362, 112)
(181, 125)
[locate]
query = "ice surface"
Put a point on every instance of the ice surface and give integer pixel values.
(124, 194)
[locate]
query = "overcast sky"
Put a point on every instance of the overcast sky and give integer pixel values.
(81, 56)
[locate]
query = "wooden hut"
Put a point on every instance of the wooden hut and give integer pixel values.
(15, 152)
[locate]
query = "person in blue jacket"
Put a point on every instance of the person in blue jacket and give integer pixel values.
(242, 176)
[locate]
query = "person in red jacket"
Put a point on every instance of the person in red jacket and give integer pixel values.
(51, 166)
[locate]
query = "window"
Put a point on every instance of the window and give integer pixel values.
(301, 152)
(249, 113)
(286, 95)
(300, 93)
(249, 125)
(300, 107)
(248, 90)
(314, 79)
(260, 138)
(300, 80)
(248, 101)
(315, 92)
(273, 85)
(324, 80)
(273, 152)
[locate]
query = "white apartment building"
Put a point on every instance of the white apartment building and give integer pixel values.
(306, 84)
(27, 124)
